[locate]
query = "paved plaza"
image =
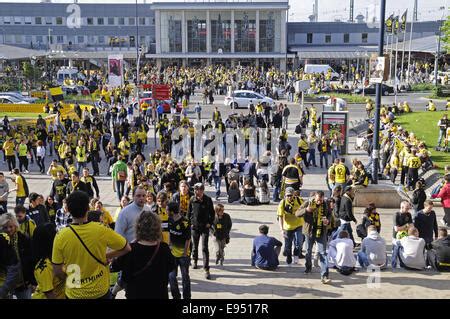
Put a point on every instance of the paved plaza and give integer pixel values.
(237, 279)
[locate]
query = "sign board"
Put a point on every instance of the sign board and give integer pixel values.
(336, 123)
(115, 70)
(378, 69)
(302, 86)
(161, 92)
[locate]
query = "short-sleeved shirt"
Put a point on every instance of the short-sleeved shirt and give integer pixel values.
(401, 220)
(287, 211)
(20, 187)
(47, 281)
(93, 279)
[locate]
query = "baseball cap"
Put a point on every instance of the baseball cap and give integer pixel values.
(289, 191)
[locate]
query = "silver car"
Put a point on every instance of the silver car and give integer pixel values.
(242, 98)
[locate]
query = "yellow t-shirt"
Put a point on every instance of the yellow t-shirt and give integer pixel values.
(54, 171)
(23, 148)
(8, 146)
(43, 273)
(340, 174)
(20, 188)
(287, 211)
(87, 278)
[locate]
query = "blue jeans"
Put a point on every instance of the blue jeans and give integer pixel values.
(322, 245)
(441, 135)
(293, 236)
(324, 156)
(276, 191)
(120, 189)
(217, 183)
(20, 200)
(80, 166)
(348, 228)
(183, 263)
(334, 155)
(363, 259)
(312, 157)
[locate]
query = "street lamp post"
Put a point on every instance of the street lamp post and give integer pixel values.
(438, 51)
(376, 134)
(137, 55)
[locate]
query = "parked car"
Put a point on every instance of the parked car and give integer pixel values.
(241, 99)
(20, 97)
(6, 99)
(371, 89)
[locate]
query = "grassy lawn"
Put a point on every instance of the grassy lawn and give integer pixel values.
(349, 98)
(424, 126)
(18, 114)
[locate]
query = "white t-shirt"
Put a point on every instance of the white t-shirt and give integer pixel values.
(341, 250)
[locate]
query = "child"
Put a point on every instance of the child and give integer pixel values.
(26, 224)
(222, 226)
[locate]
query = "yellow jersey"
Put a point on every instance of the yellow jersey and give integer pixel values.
(47, 281)
(287, 209)
(340, 173)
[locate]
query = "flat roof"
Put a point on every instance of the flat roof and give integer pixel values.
(219, 5)
(333, 52)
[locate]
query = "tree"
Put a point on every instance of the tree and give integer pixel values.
(30, 72)
(446, 34)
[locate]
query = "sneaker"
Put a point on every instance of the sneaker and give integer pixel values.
(207, 275)
(307, 271)
(217, 260)
(325, 280)
(443, 222)
(26, 171)
(295, 259)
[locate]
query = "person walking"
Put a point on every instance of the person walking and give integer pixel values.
(286, 113)
(222, 227)
(119, 176)
(180, 239)
(316, 220)
(201, 215)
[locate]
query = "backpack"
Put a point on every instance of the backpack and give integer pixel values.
(25, 186)
(298, 129)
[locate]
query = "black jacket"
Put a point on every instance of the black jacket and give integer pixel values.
(79, 187)
(38, 214)
(201, 213)
(59, 189)
(346, 209)
(222, 226)
(442, 249)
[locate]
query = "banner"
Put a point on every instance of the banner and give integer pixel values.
(389, 22)
(396, 24)
(161, 92)
(404, 17)
(115, 70)
(56, 93)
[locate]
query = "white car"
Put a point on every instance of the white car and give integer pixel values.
(20, 97)
(241, 99)
(6, 99)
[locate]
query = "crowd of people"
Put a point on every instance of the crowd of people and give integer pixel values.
(66, 243)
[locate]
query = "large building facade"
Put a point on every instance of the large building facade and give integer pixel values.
(225, 33)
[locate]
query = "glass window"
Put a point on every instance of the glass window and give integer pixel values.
(309, 38)
(91, 40)
(7, 20)
(244, 31)
(18, 39)
(59, 21)
(28, 39)
(100, 21)
(28, 20)
(90, 21)
(328, 38)
(142, 40)
(60, 39)
(121, 21)
(346, 37)
(269, 31)
(196, 32)
(364, 38)
(132, 41)
(80, 39)
(101, 39)
(131, 21)
(38, 20)
(39, 39)
(142, 21)
(220, 31)
(18, 20)
(48, 20)
(111, 21)
(8, 38)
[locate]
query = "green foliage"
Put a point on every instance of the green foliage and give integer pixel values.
(446, 34)
(422, 87)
